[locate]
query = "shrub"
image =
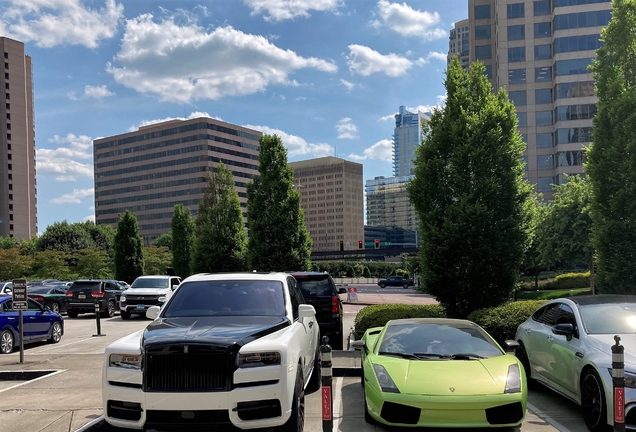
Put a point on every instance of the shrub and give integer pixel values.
(402, 272)
(501, 322)
(571, 281)
(379, 315)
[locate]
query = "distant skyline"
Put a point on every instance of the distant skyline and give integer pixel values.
(327, 76)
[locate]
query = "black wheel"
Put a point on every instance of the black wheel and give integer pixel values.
(110, 310)
(593, 401)
(316, 376)
(56, 332)
(124, 315)
(54, 306)
(6, 342)
(406, 286)
(72, 313)
(522, 355)
(296, 422)
(382, 286)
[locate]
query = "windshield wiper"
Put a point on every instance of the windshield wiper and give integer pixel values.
(399, 354)
(466, 356)
(442, 356)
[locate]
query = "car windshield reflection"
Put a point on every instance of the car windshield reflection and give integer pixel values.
(614, 318)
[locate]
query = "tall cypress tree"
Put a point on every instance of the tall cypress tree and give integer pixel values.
(611, 165)
(278, 237)
(470, 195)
(129, 249)
(220, 231)
(182, 240)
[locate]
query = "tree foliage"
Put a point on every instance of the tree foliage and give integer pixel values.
(93, 264)
(157, 260)
(532, 263)
(164, 240)
(128, 248)
(611, 165)
(64, 237)
(51, 264)
(182, 241)
(14, 265)
(220, 233)
(278, 237)
(470, 195)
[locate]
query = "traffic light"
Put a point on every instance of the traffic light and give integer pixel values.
(377, 244)
(360, 244)
(341, 245)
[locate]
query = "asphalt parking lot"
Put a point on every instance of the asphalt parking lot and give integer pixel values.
(70, 397)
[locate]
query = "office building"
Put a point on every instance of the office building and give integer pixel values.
(332, 200)
(459, 43)
(540, 51)
(389, 206)
(18, 198)
(150, 170)
(407, 136)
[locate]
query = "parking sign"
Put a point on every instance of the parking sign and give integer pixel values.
(19, 294)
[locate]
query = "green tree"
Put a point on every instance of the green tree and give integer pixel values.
(14, 265)
(157, 260)
(164, 240)
(612, 156)
(93, 264)
(278, 237)
(532, 263)
(129, 249)
(221, 239)
(65, 237)
(102, 236)
(470, 195)
(182, 240)
(51, 264)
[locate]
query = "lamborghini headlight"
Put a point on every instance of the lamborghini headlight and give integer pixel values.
(126, 361)
(386, 383)
(259, 359)
(513, 382)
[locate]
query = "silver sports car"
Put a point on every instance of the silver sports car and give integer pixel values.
(566, 345)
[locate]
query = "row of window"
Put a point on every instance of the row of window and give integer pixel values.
(544, 73)
(164, 174)
(562, 113)
(173, 183)
(155, 206)
(582, 19)
(564, 136)
(561, 159)
(577, 43)
(545, 96)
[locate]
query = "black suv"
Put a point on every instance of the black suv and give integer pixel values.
(320, 291)
(80, 297)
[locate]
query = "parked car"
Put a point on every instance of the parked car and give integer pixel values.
(81, 297)
(6, 288)
(146, 291)
(52, 296)
(226, 348)
(396, 281)
(437, 372)
(567, 345)
(320, 291)
(40, 324)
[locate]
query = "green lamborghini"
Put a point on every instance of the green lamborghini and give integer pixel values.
(436, 372)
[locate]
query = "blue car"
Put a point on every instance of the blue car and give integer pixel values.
(40, 324)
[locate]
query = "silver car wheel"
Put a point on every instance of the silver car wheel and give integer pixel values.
(56, 332)
(6, 342)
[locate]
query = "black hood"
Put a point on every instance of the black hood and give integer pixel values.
(212, 330)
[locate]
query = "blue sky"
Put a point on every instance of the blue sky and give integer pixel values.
(326, 75)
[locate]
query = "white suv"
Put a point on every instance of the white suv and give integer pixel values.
(147, 291)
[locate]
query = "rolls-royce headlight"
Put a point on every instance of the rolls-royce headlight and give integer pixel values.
(259, 359)
(162, 299)
(513, 382)
(122, 299)
(126, 361)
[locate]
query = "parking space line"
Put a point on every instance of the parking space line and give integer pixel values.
(336, 403)
(555, 424)
(61, 346)
(33, 380)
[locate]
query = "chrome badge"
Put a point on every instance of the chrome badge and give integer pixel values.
(452, 389)
(185, 349)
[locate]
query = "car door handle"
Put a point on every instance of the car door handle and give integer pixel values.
(32, 317)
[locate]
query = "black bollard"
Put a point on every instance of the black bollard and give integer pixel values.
(97, 296)
(327, 397)
(618, 381)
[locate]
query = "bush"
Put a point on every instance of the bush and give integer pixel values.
(379, 315)
(501, 322)
(402, 272)
(571, 281)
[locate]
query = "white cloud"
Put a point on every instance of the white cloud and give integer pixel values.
(49, 23)
(433, 55)
(95, 92)
(382, 150)
(64, 162)
(365, 61)
(300, 98)
(194, 114)
(406, 21)
(279, 10)
(296, 145)
(349, 85)
(90, 217)
(387, 117)
(183, 63)
(74, 197)
(346, 129)
(441, 100)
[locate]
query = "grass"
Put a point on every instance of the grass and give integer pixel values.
(550, 294)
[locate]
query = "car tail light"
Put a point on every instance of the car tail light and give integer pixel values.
(37, 298)
(69, 294)
(334, 305)
(97, 294)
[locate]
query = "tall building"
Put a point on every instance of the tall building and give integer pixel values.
(407, 136)
(540, 50)
(459, 43)
(332, 200)
(150, 170)
(389, 206)
(18, 198)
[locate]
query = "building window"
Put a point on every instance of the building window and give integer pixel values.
(10, 197)
(574, 89)
(543, 96)
(10, 167)
(518, 97)
(543, 118)
(524, 138)
(10, 217)
(7, 96)
(10, 207)
(523, 119)
(516, 76)
(545, 140)
(8, 116)
(482, 32)
(524, 161)
(482, 12)
(575, 112)
(6, 55)
(573, 135)
(6, 75)
(544, 184)
(8, 146)
(10, 176)
(542, 52)
(483, 52)
(9, 157)
(542, 30)
(6, 86)
(582, 19)
(516, 32)
(8, 106)
(6, 65)
(517, 54)
(10, 186)
(578, 43)
(545, 162)
(8, 126)
(542, 7)
(9, 136)
(10, 227)
(570, 158)
(515, 10)
(489, 71)
(542, 74)
(572, 67)
(563, 3)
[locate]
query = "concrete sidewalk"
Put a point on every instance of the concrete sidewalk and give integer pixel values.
(410, 297)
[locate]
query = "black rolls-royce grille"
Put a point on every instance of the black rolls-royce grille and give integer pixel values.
(188, 368)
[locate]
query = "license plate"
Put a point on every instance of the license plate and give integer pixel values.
(140, 306)
(81, 296)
